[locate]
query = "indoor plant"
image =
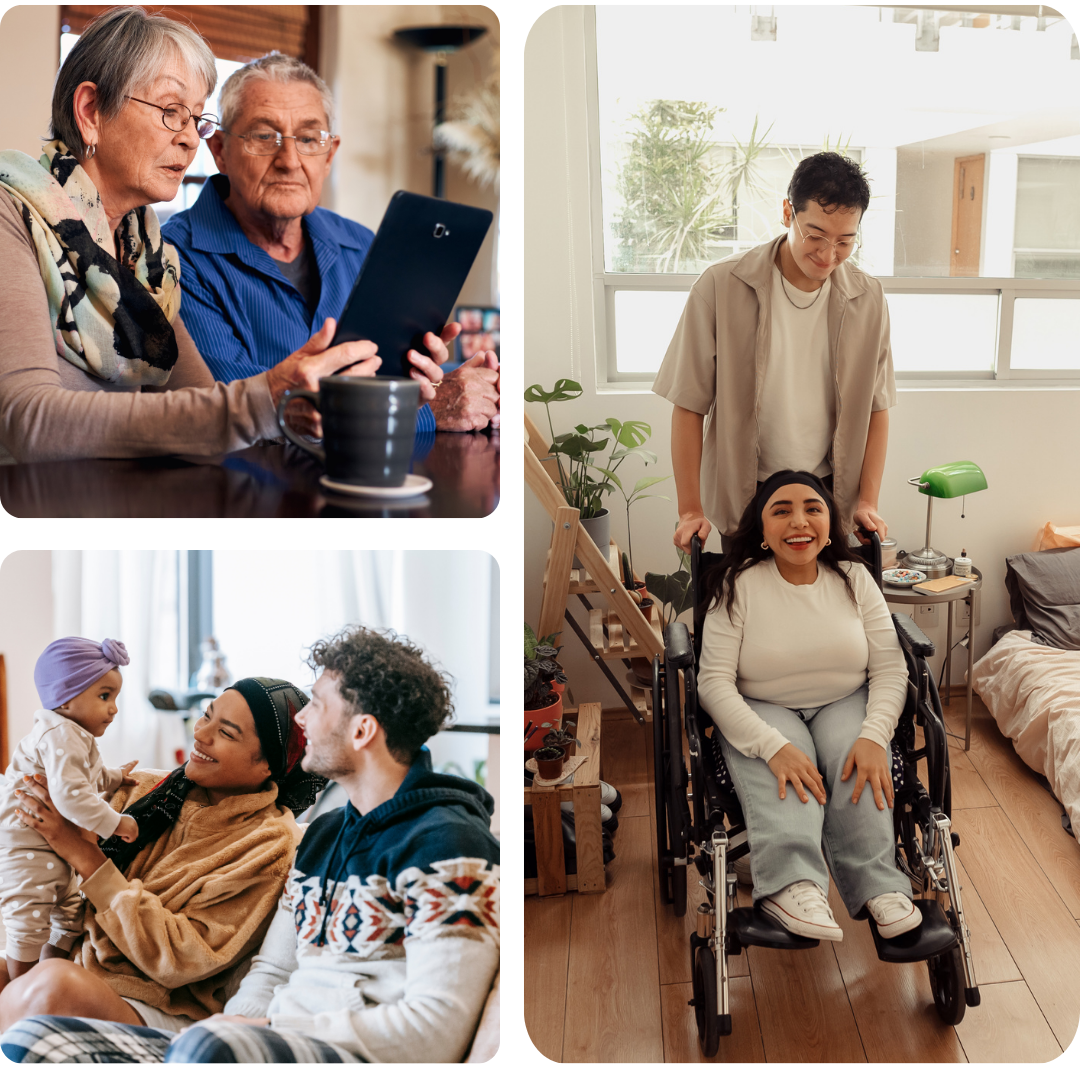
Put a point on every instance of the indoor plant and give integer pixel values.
(543, 705)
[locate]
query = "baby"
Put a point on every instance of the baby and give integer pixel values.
(78, 681)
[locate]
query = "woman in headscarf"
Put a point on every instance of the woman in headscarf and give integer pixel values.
(172, 915)
(91, 297)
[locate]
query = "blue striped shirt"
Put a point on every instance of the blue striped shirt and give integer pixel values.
(243, 313)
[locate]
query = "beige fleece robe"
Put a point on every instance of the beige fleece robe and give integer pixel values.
(193, 904)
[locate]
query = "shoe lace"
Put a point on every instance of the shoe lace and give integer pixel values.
(809, 898)
(889, 906)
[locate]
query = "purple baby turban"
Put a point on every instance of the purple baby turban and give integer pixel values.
(69, 665)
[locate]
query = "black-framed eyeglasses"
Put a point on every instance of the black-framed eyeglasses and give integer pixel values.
(265, 141)
(176, 116)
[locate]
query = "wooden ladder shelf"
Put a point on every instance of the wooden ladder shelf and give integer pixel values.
(622, 631)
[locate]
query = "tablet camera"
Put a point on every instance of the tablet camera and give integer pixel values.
(441, 231)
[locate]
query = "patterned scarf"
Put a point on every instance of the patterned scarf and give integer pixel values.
(111, 317)
(274, 704)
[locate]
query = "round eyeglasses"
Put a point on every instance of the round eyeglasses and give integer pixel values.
(176, 116)
(265, 141)
(817, 242)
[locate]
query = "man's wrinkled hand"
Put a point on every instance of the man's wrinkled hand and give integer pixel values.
(467, 399)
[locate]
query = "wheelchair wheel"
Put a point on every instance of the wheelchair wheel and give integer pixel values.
(705, 1001)
(947, 985)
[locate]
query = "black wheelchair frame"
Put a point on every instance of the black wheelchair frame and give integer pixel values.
(691, 830)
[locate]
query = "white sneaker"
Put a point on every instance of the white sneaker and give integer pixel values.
(803, 909)
(894, 914)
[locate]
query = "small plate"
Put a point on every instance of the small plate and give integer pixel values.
(902, 578)
(414, 485)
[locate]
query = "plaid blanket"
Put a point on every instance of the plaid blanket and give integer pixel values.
(71, 1039)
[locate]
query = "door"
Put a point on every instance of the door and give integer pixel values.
(967, 216)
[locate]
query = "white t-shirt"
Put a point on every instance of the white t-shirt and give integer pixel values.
(799, 646)
(798, 395)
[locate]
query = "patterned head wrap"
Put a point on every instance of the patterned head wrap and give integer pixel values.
(69, 665)
(274, 704)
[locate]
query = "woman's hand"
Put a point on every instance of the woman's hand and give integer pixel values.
(71, 843)
(873, 767)
(313, 361)
(791, 766)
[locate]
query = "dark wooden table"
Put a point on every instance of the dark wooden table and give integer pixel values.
(263, 481)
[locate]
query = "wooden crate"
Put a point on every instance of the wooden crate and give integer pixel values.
(584, 789)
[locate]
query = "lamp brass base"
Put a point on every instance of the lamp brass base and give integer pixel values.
(933, 563)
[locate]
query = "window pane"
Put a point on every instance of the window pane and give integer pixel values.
(943, 332)
(1046, 334)
(703, 114)
(644, 324)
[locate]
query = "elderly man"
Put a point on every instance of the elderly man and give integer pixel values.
(386, 939)
(264, 266)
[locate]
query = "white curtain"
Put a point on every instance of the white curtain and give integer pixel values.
(130, 596)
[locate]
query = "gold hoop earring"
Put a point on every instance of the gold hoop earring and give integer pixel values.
(828, 540)
(764, 545)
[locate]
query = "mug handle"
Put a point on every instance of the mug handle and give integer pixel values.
(304, 444)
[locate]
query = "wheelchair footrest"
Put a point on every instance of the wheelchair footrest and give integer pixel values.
(751, 926)
(932, 937)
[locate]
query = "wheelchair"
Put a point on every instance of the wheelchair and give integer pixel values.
(693, 803)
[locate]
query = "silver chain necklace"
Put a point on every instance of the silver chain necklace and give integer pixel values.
(799, 307)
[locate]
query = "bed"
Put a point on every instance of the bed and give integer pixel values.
(1030, 679)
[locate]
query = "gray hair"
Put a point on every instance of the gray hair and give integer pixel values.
(275, 67)
(124, 50)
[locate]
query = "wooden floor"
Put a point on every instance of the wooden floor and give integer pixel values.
(607, 977)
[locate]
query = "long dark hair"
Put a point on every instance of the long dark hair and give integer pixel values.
(745, 550)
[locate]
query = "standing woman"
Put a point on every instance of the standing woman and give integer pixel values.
(805, 681)
(90, 308)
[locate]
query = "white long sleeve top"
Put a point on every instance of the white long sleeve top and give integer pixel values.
(800, 646)
(67, 755)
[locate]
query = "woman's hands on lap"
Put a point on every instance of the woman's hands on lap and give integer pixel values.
(872, 764)
(75, 846)
(791, 766)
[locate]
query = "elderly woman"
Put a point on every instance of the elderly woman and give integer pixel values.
(173, 914)
(91, 295)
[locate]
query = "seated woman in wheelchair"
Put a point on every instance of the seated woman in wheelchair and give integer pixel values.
(804, 679)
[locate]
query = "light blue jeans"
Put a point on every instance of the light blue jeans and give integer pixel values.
(795, 841)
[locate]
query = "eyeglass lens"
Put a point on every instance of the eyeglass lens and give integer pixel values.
(176, 117)
(265, 141)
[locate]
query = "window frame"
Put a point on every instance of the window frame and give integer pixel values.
(606, 283)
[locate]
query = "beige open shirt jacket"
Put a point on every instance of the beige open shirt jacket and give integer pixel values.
(715, 366)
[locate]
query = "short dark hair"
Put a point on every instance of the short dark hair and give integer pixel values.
(830, 180)
(385, 674)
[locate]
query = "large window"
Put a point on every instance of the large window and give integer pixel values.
(967, 124)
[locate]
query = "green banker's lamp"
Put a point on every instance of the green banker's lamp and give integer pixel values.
(945, 482)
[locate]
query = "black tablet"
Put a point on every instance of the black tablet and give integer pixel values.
(412, 275)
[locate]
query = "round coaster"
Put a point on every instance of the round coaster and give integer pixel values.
(414, 485)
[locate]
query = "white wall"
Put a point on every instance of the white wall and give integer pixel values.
(29, 53)
(26, 627)
(1023, 439)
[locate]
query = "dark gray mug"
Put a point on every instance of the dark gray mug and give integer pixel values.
(369, 425)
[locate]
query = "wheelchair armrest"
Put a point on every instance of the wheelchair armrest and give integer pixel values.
(678, 647)
(917, 642)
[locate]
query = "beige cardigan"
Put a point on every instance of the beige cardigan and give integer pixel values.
(46, 413)
(715, 367)
(192, 904)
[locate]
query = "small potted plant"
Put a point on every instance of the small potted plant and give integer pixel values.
(543, 705)
(549, 762)
(562, 740)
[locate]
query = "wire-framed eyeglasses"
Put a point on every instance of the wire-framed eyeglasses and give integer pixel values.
(817, 242)
(176, 116)
(265, 141)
